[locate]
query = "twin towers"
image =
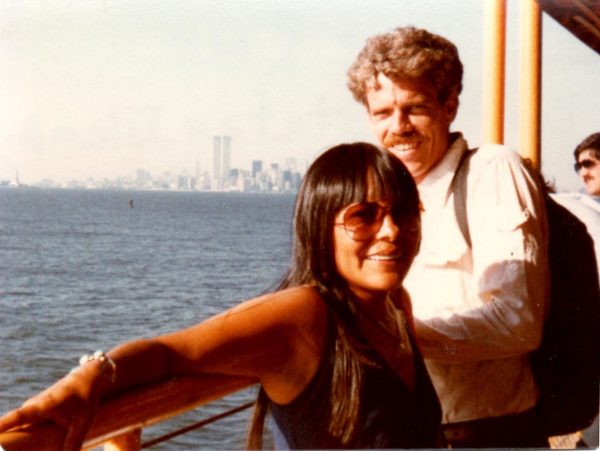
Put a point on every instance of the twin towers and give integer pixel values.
(221, 160)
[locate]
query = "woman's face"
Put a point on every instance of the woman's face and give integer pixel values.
(374, 244)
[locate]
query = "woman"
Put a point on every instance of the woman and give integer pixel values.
(333, 348)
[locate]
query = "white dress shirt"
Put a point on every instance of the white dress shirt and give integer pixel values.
(479, 311)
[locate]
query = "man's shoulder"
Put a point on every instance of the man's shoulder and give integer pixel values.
(489, 153)
(495, 169)
(495, 160)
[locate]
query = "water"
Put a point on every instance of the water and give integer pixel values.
(81, 270)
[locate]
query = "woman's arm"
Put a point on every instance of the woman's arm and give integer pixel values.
(270, 338)
(276, 339)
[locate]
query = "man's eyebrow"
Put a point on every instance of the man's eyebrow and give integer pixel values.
(381, 109)
(420, 98)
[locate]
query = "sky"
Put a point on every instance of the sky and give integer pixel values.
(100, 88)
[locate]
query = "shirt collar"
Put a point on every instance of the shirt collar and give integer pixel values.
(434, 187)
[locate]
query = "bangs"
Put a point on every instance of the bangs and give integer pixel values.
(360, 172)
(339, 177)
(391, 180)
(353, 189)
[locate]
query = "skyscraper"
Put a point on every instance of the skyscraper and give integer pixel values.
(217, 174)
(291, 164)
(256, 167)
(226, 162)
(221, 161)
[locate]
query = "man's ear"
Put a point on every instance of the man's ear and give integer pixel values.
(451, 107)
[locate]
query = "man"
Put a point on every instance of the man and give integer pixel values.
(587, 164)
(587, 209)
(586, 206)
(479, 307)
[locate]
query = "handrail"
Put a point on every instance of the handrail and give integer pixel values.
(196, 425)
(131, 411)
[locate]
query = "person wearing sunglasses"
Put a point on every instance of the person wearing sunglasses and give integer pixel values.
(587, 164)
(586, 204)
(333, 349)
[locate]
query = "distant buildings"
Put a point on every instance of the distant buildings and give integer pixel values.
(11, 183)
(256, 167)
(224, 178)
(261, 177)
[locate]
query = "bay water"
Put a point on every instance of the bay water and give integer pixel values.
(82, 270)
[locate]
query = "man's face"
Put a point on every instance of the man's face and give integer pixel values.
(408, 119)
(589, 170)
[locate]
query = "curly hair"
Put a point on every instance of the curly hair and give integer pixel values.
(407, 53)
(592, 143)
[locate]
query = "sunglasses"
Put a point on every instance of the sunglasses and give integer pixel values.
(362, 221)
(587, 164)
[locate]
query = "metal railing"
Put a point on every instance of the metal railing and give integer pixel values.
(120, 420)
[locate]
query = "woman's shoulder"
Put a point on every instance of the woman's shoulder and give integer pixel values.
(300, 304)
(304, 301)
(301, 295)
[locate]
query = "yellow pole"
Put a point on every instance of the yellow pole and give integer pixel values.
(494, 38)
(530, 82)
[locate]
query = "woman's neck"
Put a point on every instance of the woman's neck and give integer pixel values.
(374, 306)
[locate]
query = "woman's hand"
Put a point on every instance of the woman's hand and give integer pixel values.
(71, 403)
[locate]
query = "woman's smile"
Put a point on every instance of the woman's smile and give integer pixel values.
(374, 245)
(386, 256)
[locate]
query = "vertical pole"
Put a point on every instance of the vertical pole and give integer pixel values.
(494, 38)
(131, 441)
(530, 82)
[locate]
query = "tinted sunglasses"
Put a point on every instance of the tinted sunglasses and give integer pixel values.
(585, 164)
(363, 220)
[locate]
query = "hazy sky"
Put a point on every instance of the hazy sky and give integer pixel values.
(99, 88)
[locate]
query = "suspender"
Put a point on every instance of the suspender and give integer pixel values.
(459, 187)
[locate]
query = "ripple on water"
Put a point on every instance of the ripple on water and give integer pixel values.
(86, 272)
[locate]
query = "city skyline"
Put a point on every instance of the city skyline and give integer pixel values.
(220, 164)
(100, 88)
(260, 176)
(208, 169)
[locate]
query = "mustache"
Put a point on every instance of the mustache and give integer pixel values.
(393, 140)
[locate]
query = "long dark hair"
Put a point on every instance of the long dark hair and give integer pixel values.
(340, 176)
